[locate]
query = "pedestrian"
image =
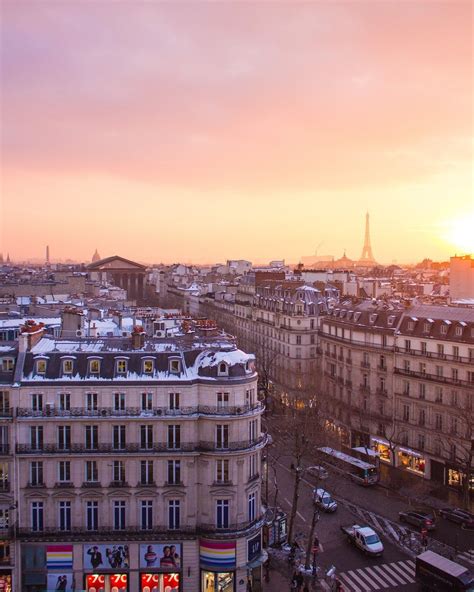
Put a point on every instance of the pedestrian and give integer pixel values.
(299, 581)
(294, 583)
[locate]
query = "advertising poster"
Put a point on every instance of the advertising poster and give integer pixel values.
(97, 557)
(60, 581)
(159, 582)
(59, 557)
(165, 557)
(5, 583)
(103, 582)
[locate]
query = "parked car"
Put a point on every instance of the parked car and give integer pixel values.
(323, 500)
(364, 538)
(419, 519)
(318, 472)
(458, 515)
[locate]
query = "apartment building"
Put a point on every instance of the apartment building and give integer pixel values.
(138, 463)
(277, 320)
(401, 381)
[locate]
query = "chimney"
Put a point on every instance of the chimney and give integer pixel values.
(30, 333)
(138, 337)
(117, 318)
(93, 331)
(72, 322)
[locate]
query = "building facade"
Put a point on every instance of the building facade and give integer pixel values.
(137, 464)
(401, 381)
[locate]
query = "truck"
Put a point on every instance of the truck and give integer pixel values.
(437, 573)
(364, 538)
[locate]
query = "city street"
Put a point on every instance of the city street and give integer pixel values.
(372, 506)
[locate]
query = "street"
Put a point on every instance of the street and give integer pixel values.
(372, 506)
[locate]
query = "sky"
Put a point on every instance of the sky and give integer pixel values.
(203, 131)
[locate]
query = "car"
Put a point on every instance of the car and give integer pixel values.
(419, 519)
(323, 500)
(458, 515)
(318, 472)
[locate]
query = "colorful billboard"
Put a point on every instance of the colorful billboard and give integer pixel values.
(114, 582)
(97, 557)
(217, 555)
(59, 557)
(158, 582)
(164, 557)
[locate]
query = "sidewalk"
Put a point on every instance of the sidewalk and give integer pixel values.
(280, 579)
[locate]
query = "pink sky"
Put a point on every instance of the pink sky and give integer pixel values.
(204, 131)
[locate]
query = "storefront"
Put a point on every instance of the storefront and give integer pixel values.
(106, 567)
(255, 560)
(5, 581)
(455, 478)
(412, 461)
(47, 567)
(382, 448)
(359, 439)
(218, 564)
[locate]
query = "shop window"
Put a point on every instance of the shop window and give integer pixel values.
(217, 581)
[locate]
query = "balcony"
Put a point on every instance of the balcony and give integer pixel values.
(64, 484)
(35, 485)
(349, 361)
(340, 357)
(226, 483)
(382, 392)
(109, 412)
(363, 388)
(4, 449)
(91, 484)
(365, 364)
(355, 342)
(382, 368)
(146, 484)
(436, 355)
(434, 377)
(119, 484)
(6, 413)
(4, 486)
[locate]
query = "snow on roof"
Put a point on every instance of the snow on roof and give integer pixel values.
(213, 358)
(16, 323)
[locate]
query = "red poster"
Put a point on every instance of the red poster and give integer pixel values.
(118, 582)
(95, 583)
(150, 583)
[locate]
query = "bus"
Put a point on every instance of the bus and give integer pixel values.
(435, 572)
(367, 455)
(362, 472)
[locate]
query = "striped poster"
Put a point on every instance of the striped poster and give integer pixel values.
(58, 557)
(217, 554)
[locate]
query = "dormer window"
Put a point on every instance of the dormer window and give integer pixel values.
(223, 369)
(7, 364)
(411, 325)
(356, 316)
(40, 366)
(68, 366)
(373, 318)
(175, 366)
(459, 331)
(426, 327)
(390, 320)
(121, 366)
(148, 366)
(94, 366)
(444, 329)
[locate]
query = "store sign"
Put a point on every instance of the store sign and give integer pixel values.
(164, 557)
(254, 547)
(157, 582)
(98, 582)
(217, 555)
(97, 557)
(58, 558)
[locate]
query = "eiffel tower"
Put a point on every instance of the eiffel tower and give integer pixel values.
(367, 257)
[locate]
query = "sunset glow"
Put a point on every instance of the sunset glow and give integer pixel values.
(249, 130)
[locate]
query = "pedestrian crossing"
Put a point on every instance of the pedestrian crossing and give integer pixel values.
(379, 577)
(467, 556)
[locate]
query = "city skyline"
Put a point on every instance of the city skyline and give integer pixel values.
(205, 132)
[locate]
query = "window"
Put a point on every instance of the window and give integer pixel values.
(119, 515)
(406, 413)
(64, 402)
(119, 401)
(37, 514)
(454, 398)
(119, 442)
(222, 400)
(222, 436)
(421, 442)
(118, 471)
(174, 472)
(92, 437)
(222, 513)
(146, 514)
(174, 436)
(422, 417)
(36, 472)
(438, 394)
(382, 363)
(147, 401)
(174, 366)
(298, 340)
(174, 514)
(438, 421)
(444, 329)
(121, 366)
(251, 507)
(253, 426)
(253, 465)
(36, 437)
(8, 364)
(406, 365)
(426, 327)
(440, 349)
(40, 366)
(146, 436)
(68, 366)
(64, 471)
(92, 473)
(222, 470)
(148, 366)
(91, 401)
(64, 516)
(4, 403)
(406, 387)
(37, 402)
(94, 366)
(454, 425)
(422, 390)
(422, 368)
(146, 472)
(470, 376)
(407, 345)
(423, 347)
(92, 515)
(64, 437)
(455, 352)
(173, 400)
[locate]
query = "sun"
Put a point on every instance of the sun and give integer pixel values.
(460, 233)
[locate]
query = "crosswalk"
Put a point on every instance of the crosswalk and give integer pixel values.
(467, 556)
(379, 577)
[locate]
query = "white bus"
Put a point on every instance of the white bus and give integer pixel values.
(358, 470)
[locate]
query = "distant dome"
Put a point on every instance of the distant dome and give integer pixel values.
(95, 256)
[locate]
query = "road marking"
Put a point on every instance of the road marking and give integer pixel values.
(287, 501)
(301, 516)
(403, 572)
(375, 521)
(368, 577)
(387, 576)
(410, 568)
(391, 529)
(350, 583)
(359, 581)
(395, 574)
(373, 574)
